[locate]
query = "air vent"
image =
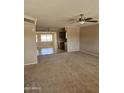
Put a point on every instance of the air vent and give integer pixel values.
(29, 20)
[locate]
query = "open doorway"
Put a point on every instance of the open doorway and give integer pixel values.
(46, 42)
(49, 42)
(62, 41)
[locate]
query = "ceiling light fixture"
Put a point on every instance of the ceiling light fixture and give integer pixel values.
(81, 22)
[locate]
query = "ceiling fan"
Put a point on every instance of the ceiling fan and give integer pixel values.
(83, 19)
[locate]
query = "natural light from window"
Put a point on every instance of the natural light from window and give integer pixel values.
(46, 38)
(36, 38)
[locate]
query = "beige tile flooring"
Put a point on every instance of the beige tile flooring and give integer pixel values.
(74, 72)
(47, 51)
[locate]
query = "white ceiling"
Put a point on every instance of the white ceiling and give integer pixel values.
(58, 13)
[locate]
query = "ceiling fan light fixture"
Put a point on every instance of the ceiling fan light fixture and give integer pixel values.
(81, 22)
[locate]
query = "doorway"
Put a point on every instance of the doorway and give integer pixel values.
(46, 42)
(62, 41)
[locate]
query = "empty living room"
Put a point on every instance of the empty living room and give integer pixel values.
(61, 46)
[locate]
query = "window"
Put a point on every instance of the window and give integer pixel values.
(46, 38)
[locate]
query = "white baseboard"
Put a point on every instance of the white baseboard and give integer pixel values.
(30, 63)
(90, 53)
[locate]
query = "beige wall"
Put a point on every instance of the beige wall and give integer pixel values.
(73, 37)
(30, 49)
(52, 44)
(89, 39)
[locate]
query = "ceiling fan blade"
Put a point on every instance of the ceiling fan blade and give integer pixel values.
(88, 19)
(92, 21)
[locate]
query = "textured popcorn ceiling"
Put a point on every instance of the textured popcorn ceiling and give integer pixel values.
(58, 13)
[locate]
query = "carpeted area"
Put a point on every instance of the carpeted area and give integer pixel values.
(74, 72)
